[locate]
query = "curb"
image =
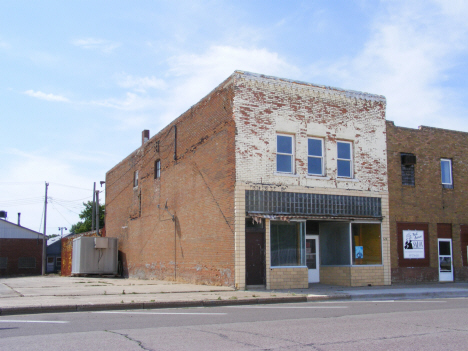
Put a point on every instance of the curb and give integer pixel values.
(411, 296)
(5, 311)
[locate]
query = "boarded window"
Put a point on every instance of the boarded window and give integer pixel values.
(27, 262)
(407, 168)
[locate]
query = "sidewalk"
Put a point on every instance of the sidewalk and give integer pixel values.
(52, 293)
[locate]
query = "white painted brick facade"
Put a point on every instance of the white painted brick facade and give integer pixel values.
(264, 107)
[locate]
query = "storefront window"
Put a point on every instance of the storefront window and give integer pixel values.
(334, 244)
(366, 244)
(287, 244)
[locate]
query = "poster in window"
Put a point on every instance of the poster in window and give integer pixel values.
(359, 252)
(413, 244)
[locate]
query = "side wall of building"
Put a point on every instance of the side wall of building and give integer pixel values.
(195, 185)
(23, 256)
(427, 205)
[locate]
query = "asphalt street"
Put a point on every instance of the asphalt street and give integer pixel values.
(431, 324)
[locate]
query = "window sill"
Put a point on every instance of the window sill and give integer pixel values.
(341, 179)
(311, 176)
(289, 267)
(286, 175)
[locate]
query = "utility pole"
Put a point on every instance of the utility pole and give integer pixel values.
(44, 242)
(93, 208)
(97, 211)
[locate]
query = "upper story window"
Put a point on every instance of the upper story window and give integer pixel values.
(135, 179)
(284, 153)
(407, 168)
(446, 172)
(345, 160)
(157, 169)
(315, 157)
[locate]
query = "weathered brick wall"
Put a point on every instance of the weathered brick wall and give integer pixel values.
(267, 106)
(427, 202)
(13, 249)
(199, 189)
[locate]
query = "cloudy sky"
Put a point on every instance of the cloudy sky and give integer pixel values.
(80, 80)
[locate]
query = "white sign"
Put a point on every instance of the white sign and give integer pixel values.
(413, 243)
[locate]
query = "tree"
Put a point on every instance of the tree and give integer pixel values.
(87, 215)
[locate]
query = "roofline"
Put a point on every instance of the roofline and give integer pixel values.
(4, 220)
(262, 77)
(424, 128)
(321, 88)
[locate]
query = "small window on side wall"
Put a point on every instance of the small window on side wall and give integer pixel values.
(446, 173)
(135, 179)
(157, 169)
(284, 154)
(407, 168)
(345, 159)
(315, 157)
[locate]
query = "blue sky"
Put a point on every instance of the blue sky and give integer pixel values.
(80, 80)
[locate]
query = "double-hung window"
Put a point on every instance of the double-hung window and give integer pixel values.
(284, 153)
(446, 172)
(315, 157)
(345, 159)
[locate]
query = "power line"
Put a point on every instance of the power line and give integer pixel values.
(60, 213)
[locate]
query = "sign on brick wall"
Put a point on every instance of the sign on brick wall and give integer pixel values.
(413, 244)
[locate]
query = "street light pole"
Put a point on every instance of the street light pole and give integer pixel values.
(61, 231)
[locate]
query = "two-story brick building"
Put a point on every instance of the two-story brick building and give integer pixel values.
(427, 170)
(265, 181)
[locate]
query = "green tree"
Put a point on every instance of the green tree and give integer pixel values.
(87, 215)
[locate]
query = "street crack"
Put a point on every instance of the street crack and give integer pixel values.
(140, 343)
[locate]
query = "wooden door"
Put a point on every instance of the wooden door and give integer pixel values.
(255, 258)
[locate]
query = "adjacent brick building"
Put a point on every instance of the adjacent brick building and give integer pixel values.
(428, 188)
(20, 250)
(265, 181)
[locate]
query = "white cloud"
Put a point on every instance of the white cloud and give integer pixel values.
(105, 46)
(407, 58)
(198, 74)
(45, 96)
(141, 84)
(131, 102)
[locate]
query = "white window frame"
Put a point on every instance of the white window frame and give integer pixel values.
(135, 179)
(157, 169)
(351, 161)
(322, 158)
(282, 153)
(450, 171)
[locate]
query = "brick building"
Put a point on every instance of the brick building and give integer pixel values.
(265, 181)
(20, 250)
(427, 170)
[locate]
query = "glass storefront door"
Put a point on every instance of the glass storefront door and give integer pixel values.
(445, 260)
(312, 258)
